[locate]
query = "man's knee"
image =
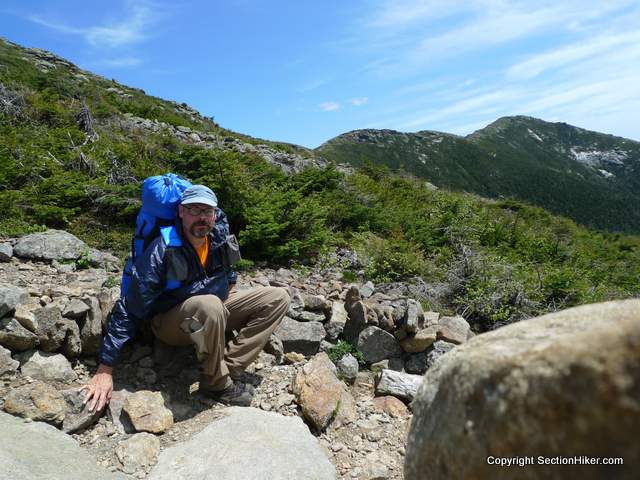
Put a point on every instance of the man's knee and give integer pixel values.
(282, 297)
(206, 309)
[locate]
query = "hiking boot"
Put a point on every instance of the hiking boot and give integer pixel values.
(251, 379)
(235, 394)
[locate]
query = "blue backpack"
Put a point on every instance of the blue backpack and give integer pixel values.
(161, 195)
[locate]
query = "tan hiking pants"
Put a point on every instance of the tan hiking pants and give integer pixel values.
(203, 320)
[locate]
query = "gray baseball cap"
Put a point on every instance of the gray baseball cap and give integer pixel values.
(199, 194)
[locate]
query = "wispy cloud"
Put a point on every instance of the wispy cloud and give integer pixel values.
(124, 62)
(566, 55)
(313, 85)
(431, 31)
(359, 101)
(129, 30)
(329, 106)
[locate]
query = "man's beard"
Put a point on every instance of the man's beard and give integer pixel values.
(200, 229)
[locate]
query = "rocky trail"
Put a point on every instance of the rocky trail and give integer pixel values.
(422, 396)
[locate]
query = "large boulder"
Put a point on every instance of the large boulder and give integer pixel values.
(322, 397)
(50, 245)
(376, 344)
(301, 337)
(564, 384)
(37, 451)
(247, 444)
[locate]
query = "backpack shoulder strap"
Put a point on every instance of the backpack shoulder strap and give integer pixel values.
(170, 236)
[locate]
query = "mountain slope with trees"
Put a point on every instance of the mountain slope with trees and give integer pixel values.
(590, 177)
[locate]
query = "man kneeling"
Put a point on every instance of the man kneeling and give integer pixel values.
(181, 283)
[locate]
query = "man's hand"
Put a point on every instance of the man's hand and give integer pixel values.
(98, 390)
(232, 288)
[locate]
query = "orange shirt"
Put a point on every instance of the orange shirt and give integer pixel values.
(203, 252)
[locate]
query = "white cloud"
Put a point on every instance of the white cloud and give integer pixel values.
(313, 84)
(603, 44)
(132, 29)
(123, 62)
(329, 106)
(359, 101)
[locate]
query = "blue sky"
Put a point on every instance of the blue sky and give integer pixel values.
(305, 71)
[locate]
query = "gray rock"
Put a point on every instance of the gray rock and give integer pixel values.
(24, 315)
(50, 245)
(78, 415)
(91, 333)
(75, 309)
(352, 296)
(398, 384)
(348, 368)
(416, 363)
(385, 317)
(367, 290)
(6, 252)
(297, 300)
(36, 401)
(52, 328)
(335, 326)
(274, 347)
(118, 417)
(72, 346)
(44, 453)
(304, 316)
(338, 312)
(15, 337)
(396, 364)
(301, 337)
(281, 448)
(453, 329)
(138, 452)
(422, 340)
(566, 383)
(47, 366)
(413, 316)
(437, 350)
(11, 297)
(8, 366)
(356, 322)
(285, 276)
(315, 303)
(376, 344)
(98, 259)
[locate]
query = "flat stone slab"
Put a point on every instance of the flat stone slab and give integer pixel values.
(247, 444)
(50, 245)
(37, 451)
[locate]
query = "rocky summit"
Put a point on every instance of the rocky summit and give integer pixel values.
(412, 394)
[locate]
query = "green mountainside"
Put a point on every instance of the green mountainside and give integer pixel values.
(75, 147)
(590, 177)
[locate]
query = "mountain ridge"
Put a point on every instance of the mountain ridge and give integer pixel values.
(589, 176)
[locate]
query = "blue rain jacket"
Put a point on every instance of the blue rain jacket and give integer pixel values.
(166, 274)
